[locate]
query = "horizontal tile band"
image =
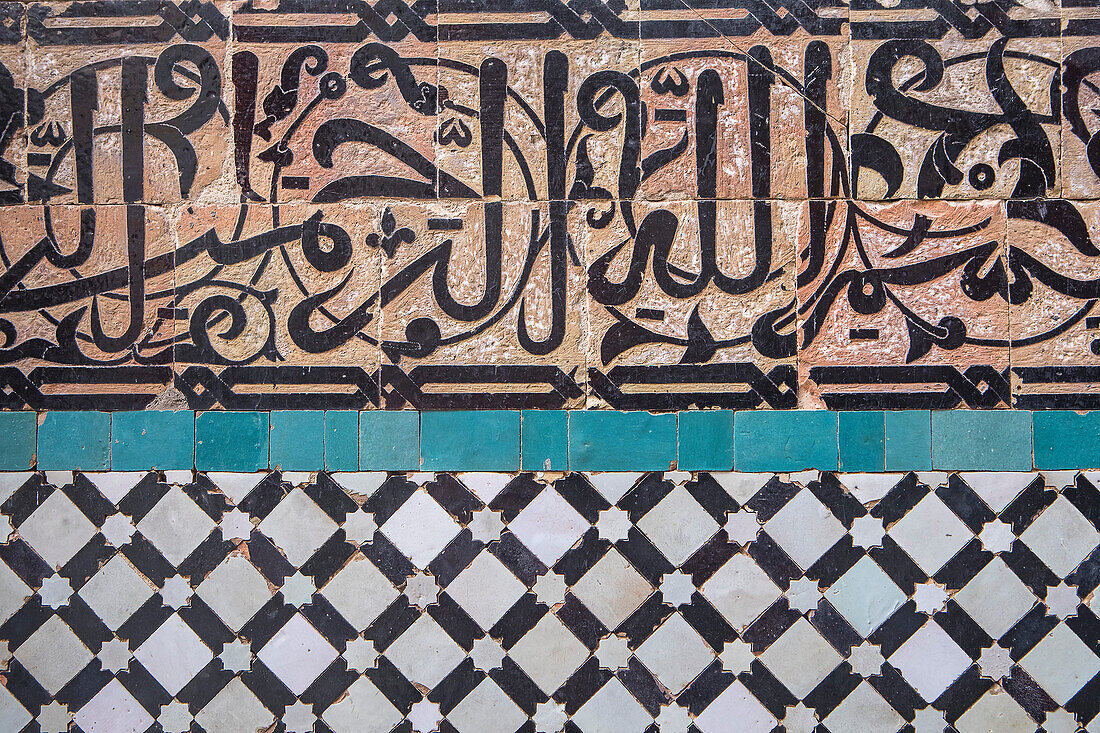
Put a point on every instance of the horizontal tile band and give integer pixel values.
(551, 440)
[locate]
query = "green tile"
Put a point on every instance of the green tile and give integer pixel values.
(17, 440)
(1065, 439)
(342, 440)
(544, 440)
(74, 440)
(231, 441)
(785, 440)
(148, 439)
(705, 440)
(909, 440)
(605, 440)
(470, 440)
(297, 440)
(981, 440)
(389, 440)
(862, 439)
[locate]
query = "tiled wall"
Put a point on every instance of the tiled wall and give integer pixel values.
(655, 205)
(552, 440)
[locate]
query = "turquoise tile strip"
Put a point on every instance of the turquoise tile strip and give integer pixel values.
(602, 440)
(18, 438)
(74, 440)
(544, 440)
(159, 439)
(554, 440)
(231, 441)
(862, 439)
(342, 440)
(470, 440)
(973, 440)
(908, 440)
(773, 440)
(705, 440)
(389, 441)
(298, 440)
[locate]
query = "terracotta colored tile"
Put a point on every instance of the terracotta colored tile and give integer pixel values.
(332, 114)
(1080, 179)
(551, 108)
(891, 317)
(13, 142)
(446, 304)
(93, 287)
(96, 71)
(715, 303)
(715, 94)
(1056, 279)
(962, 137)
(296, 291)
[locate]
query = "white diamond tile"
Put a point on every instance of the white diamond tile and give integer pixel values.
(359, 591)
(995, 712)
(113, 710)
(930, 660)
(362, 710)
(297, 654)
(298, 527)
(420, 528)
(804, 528)
(549, 653)
(234, 710)
(116, 591)
(486, 589)
(1061, 537)
(678, 526)
(864, 710)
(13, 716)
(486, 710)
(176, 525)
(675, 653)
(998, 488)
(612, 589)
(930, 533)
(425, 654)
(53, 654)
(801, 658)
(612, 710)
(548, 526)
(57, 529)
(996, 598)
(1061, 663)
(740, 591)
(13, 592)
(235, 591)
(735, 703)
(173, 654)
(865, 596)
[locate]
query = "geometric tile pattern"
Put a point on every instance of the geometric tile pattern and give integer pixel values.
(547, 602)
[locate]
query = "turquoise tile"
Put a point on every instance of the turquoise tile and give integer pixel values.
(705, 440)
(544, 440)
(470, 440)
(17, 440)
(862, 440)
(231, 441)
(1065, 439)
(342, 440)
(389, 440)
(909, 440)
(297, 440)
(605, 440)
(981, 440)
(148, 439)
(74, 440)
(785, 440)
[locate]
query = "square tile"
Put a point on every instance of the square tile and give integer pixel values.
(785, 441)
(445, 440)
(75, 440)
(152, 439)
(549, 653)
(173, 654)
(486, 589)
(544, 440)
(420, 528)
(621, 441)
(678, 526)
(20, 437)
(297, 654)
(930, 660)
(53, 654)
(1061, 663)
(231, 441)
(389, 441)
(57, 529)
(424, 654)
(297, 440)
(800, 658)
(612, 589)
